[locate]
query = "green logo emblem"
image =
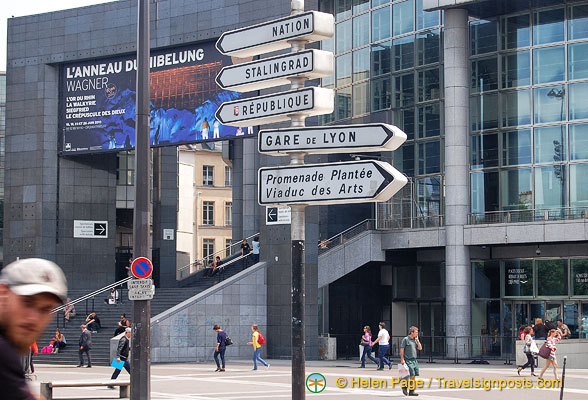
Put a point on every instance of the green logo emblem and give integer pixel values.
(316, 383)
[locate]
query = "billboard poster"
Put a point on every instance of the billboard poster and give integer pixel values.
(97, 100)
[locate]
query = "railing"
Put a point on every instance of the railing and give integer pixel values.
(433, 221)
(192, 268)
(365, 225)
(528, 215)
(92, 296)
(478, 348)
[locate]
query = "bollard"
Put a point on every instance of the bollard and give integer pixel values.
(563, 378)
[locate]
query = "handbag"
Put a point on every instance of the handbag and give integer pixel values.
(364, 343)
(544, 351)
(526, 349)
(533, 348)
(228, 341)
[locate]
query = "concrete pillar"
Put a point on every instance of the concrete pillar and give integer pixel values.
(457, 192)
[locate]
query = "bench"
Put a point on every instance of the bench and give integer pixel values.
(47, 387)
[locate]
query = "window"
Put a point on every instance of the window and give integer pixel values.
(380, 24)
(125, 173)
(578, 187)
(228, 176)
(403, 17)
(343, 70)
(343, 103)
(483, 37)
(579, 277)
(484, 112)
(549, 143)
(429, 196)
(208, 175)
(516, 147)
(516, 108)
(424, 19)
(429, 120)
(548, 65)
(361, 103)
(429, 157)
(486, 277)
(361, 64)
(548, 26)
(515, 32)
(484, 187)
(403, 49)
(343, 37)
(578, 22)
(484, 75)
(518, 278)
(578, 61)
(208, 213)
(550, 183)
(228, 243)
(381, 59)
(207, 249)
(549, 105)
(578, 95)
(404, 159)
(361, 32)
(515, 188)
(428, 47)
(484, 151)
(578, 142)
(552, 277)
(228, 213)
(516, 69)
(381, 93)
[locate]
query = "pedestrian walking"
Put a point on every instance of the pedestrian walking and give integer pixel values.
(528, 332)
(221, 346)
(256, 341)
(255, 249)
(408, 355)
(85, 346)
(366, 342)
(29, 290)
(553, 337)
(383, 341)
(122, 354)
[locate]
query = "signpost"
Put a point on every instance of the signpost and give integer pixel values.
(266, 37)
(298, 185)
(331, 139)
(275, 71)
(333, 183)
(276, 107)
(90, 229)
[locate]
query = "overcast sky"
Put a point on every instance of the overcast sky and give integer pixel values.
(19, 8)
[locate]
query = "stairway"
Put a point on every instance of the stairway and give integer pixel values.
(109, 315)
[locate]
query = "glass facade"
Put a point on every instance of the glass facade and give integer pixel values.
(388, 59)
(528, 78)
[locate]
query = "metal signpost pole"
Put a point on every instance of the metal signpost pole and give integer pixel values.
(297, 236)
(141, 309)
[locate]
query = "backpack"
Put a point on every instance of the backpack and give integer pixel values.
(260, 339)
(228, 341)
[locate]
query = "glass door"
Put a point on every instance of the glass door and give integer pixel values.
(584, 321)
(571, 318)
(537, 311)
(521, 316)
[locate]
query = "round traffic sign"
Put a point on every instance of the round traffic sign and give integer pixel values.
(141, 267)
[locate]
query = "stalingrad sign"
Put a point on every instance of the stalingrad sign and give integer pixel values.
(271, 36)
(331, 139)
(276, 107)
(350, 182)
(274, 71)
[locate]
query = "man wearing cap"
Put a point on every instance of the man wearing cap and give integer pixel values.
(122, 354)
(29, 289)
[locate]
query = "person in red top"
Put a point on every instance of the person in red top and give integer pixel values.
(553, 337)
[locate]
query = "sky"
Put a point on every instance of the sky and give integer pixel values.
(19, 8)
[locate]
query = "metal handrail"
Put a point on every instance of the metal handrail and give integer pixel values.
(91, 295)
(528, 215)
(204, 261)
(365, 221)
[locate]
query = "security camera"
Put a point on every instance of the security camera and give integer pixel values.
(538, 251)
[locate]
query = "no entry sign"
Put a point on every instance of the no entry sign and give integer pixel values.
(141, 267)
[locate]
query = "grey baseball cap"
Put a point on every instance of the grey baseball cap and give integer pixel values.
(30, 276)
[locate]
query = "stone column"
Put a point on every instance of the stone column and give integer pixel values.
(457, 193)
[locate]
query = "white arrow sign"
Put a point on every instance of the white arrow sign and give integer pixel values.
(331, 139)
(275, 71)
(276, 107)
(271, 36)
(335, 183)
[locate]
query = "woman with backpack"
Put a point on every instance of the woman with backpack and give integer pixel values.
(257, 340)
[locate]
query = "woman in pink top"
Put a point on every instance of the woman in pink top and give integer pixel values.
(367, 337)
(553, 337)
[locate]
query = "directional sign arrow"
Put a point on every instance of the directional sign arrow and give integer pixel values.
(335, 183)
(99, 229)
(275, 71)
(276, 107)
(331, 139)
(272, 214)
(271, 36)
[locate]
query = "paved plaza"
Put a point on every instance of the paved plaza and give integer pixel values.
(199, 382)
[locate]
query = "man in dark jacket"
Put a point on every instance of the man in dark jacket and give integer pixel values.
(29, 289)
(122, 354)
(85, 346)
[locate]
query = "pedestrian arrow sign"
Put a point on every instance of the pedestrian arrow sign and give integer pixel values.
(334, 183)
(266, 37)
(331, 139)
(276, 107)
(275, 71)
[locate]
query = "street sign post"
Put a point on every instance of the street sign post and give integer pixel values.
(333, 183)
(276, 107)
(266, 37)
(275, 71)
(331, 139)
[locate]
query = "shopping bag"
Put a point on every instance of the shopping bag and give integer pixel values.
(403, 371)
(117, 365)
(360, 351)
(533, 348)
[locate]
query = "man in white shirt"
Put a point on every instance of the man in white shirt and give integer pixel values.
(384, 341)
